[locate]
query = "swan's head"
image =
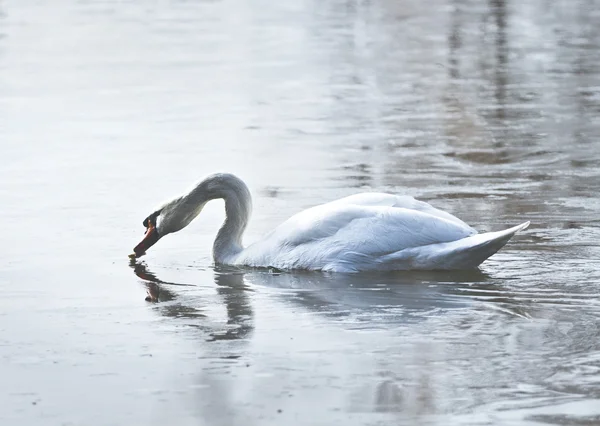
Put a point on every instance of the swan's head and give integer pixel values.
(171, 217)
(151, 236)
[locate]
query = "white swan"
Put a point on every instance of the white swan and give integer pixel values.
(368, 231)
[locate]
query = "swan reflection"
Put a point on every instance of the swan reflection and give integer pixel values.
(406, 379)
(230, 288)
(370, 297)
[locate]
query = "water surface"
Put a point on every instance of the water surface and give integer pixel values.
(486, 109)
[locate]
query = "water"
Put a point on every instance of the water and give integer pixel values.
(485, 109)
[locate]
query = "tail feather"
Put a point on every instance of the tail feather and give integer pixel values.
(465, 253)
(472, 251)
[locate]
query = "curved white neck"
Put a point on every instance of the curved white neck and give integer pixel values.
(238, 208)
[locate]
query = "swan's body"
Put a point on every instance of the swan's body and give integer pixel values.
(368, 231)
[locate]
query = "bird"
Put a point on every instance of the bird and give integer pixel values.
(369, 231)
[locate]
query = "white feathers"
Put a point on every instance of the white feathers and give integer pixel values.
(369, 231)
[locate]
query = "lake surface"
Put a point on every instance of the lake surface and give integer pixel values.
(486, 109)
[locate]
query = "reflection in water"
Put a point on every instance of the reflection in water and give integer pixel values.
(415, 374)
(337, 294)
(369, 298)
(498, 9)
(230, 288)
(386, 296)
(411, 397)
(153, 288)
(233, 291)
(380, 302)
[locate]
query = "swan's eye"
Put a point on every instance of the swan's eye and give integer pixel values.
(151, 220)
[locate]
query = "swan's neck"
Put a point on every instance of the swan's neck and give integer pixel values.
(238, 207)
(228, 242)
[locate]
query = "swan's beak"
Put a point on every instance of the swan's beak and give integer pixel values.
(148, 241)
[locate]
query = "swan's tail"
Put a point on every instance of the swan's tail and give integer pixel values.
(465, 253)
(470, 252)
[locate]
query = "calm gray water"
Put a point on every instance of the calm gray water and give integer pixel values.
(488, 109)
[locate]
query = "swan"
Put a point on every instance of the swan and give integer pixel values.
(361, 232)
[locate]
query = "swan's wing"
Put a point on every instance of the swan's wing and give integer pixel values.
(372, 230)
(349, 233)
(402, 201)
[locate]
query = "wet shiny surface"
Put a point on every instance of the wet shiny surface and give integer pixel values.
(486, 109)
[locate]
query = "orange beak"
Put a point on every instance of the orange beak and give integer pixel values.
(148, 241)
